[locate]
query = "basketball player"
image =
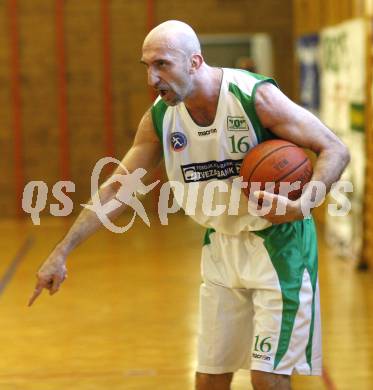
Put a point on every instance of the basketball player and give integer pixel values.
(259, 302)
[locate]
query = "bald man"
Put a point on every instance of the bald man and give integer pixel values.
(259, 302)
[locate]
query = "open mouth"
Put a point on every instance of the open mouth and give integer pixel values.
(163, 92)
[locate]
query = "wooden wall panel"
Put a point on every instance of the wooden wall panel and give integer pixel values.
(344, 10)
(131, 97)
(312, 15)
(241, 16)
(329, 16)
(85, 97)
(369, 7)
(368, 202)
(332, 12)
(38, 90)
(84, 75)
(358, 8)
(307, 16)
(7, 184)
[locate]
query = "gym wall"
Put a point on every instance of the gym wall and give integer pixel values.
(72, 89)
(311, 16)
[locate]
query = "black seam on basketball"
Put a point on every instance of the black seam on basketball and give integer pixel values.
(267, 155)
(293, 170)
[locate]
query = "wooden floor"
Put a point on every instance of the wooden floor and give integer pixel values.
(127, 316)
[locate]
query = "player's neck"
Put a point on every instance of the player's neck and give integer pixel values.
(203, 101)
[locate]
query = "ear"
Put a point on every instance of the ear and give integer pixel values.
(196, 61)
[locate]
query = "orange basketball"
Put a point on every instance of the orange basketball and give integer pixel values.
(276, 161)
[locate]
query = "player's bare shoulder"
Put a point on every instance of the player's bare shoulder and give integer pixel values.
(264, 92)
(146, 150)
(291, 122)
(273, 106)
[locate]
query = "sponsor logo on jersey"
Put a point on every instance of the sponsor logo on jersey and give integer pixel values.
(178, 141)
(211, 170)
(261, 357)
(236, 123)
(207, 132)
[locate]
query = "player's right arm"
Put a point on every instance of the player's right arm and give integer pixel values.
(146, 152)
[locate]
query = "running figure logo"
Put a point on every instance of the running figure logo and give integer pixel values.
(178, 141)
(131, 183)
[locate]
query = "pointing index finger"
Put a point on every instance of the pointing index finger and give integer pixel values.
(36, 293)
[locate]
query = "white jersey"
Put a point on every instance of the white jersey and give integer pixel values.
(207, 160)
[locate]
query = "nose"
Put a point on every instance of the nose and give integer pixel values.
(153, 78)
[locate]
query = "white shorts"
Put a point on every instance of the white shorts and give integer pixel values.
(259, 302)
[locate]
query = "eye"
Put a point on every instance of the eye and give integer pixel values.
(161, 63)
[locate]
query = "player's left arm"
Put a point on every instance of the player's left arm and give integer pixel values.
(291, 122)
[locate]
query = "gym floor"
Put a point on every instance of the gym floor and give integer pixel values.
(127, 316)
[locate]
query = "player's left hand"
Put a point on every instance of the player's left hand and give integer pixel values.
(51, 274)
(276, 208)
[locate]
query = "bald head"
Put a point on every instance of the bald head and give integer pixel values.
(174, 64)
(174, 35)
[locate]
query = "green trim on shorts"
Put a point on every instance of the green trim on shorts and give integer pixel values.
(292, 248)
(206, 239)
(248, 104)
(312, 266)
(312, 328)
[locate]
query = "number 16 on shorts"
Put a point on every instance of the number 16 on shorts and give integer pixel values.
(262, 347)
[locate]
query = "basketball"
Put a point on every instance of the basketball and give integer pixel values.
(277, 161)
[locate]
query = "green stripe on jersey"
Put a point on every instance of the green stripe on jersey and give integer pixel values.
(258, 76)
(292, 248)
(248, 103)
(158, 113)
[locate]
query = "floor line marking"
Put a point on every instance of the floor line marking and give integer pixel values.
(327, 379)
(17, 259)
